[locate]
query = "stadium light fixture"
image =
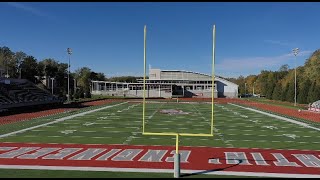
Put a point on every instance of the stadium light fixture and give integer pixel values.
(295, 53)
(69, 52)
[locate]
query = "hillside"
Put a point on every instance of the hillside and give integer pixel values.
(279, 85)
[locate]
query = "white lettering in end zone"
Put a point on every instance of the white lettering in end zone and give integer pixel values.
(305, 162)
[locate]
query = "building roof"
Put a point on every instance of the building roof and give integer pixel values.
(186, 72)
(216, 77)
(219, 78)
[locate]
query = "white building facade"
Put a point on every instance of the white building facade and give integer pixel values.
(168, 84)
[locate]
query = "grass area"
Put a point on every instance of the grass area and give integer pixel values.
(312, 123)
(14, 173)
(277, 103)
(7, 128)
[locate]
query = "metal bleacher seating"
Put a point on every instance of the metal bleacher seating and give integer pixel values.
(21, 92)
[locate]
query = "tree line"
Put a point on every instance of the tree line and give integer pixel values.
(23, 66)
(280, 84)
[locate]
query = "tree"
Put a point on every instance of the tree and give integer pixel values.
(251, 79)
(262, 82)
(50, 67)
(241, 81)
(284, 68)
(19, 58)
(302, 96)
(271, 81)
(7, 61)
(29, 68)
(284, 92)
(101, 77)
(61, 79)
(314, 92)
(277, 92)
(93, 75)
(290, 92)
(82, 76)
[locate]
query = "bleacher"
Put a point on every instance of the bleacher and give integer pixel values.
(21, 92)
(315, 106)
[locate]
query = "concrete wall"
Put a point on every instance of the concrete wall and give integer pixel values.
(204, 94)
(227, 89)
(155, 74)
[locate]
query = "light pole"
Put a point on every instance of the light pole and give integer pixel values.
(7, 61)
(74, 85)
(69, 52)
(295, 52)
(52, 85)
(245, 89)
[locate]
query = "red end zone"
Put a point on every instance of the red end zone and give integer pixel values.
(306, 162)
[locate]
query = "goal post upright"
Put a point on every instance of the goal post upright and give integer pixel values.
(212, 86)
(144, 78)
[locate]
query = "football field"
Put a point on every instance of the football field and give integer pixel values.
(120, 124)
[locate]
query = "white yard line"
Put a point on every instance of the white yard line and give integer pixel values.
(129, 139)
(114, 131)
(102, 123)
(249, 140)
(101, 137)
(236, 126)
(89, 131)
(61, 119)
(150, 117)
(160, 128)
(248, 135)
(133, 133)
(227, 142)
(278, 117)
